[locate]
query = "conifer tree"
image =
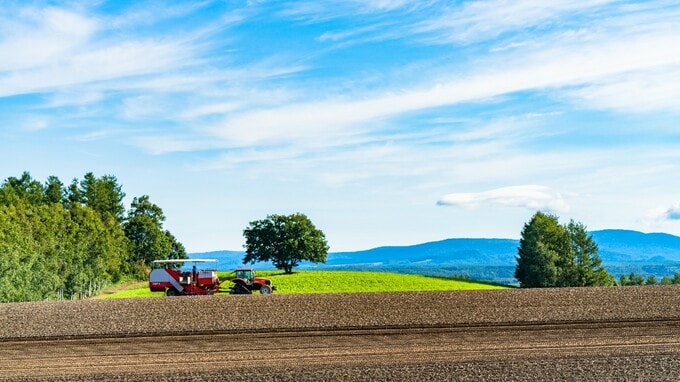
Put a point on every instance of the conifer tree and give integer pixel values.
(555, 255)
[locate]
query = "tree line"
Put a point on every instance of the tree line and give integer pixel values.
(635, 279)
(70, 241)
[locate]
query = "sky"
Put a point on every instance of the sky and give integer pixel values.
(386, 122)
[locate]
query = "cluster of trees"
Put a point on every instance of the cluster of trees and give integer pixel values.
(59, 241)
(285, 240)
(635, 279)
(554, 255)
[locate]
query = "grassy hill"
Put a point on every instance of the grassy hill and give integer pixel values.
(332, 282)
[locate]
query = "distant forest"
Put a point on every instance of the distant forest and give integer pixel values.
(62, 241)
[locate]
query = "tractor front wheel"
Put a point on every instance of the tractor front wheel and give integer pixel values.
(171, 292)
(265, 289)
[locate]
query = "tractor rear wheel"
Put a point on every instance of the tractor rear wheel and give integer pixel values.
(265, 289)
(171, 292)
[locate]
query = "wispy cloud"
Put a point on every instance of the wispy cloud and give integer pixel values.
(346, 34)
(128, 58)
(478, 20)
(594, 62)
(533, 197)
(33, 38)
(657, 89)
(149, 13)
(318, 11)
(35, 123)
(168, 142)
(62, 50)
(673, 213)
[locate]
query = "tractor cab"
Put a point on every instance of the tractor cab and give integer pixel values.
(245, 274)
(245, 282)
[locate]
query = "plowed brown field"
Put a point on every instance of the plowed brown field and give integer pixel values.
(630, 333)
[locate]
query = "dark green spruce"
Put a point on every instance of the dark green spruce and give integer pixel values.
(554, 255)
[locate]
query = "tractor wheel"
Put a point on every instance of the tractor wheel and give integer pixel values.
(265, 289)
(171, 292)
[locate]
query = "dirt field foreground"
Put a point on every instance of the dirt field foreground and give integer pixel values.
(629, 333)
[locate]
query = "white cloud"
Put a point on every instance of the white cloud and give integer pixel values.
(477, 20)
(143, 107)
(640, 91)
(163, 144)
(317, 11)
(148, 13)
(512, 129)
(218, 108)
(661, 219)
(671, 213)
(33, 38)
(113, 62)
(533, 197)
(73, 51)
(346, 34)
(69, 97)
(553, 68)
(96, 135)
(384, 5)
(35, 123)
(294, 122)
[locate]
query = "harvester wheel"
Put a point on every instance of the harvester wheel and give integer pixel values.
(265, 289)
(171, 292)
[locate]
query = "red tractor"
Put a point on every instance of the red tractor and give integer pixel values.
(245, 282)
(167, 276)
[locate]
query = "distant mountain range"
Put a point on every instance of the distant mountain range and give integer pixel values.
(622, 251)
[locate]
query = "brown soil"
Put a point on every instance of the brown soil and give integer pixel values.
(630, 333)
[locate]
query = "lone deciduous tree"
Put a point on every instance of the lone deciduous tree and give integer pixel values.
(285, 240)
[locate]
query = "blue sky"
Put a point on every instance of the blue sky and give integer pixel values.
(387, 122)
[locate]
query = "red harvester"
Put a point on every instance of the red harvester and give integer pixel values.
(166, 276)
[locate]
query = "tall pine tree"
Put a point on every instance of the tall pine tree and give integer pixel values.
(588, 269)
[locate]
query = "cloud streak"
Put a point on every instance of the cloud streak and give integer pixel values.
(35, 37)
(532, 197)
(593, 63)
(479, 20)
(115, 62)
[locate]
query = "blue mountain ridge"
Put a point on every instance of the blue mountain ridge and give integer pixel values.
(622, 251)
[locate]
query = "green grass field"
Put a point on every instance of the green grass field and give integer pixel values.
(331, 282)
